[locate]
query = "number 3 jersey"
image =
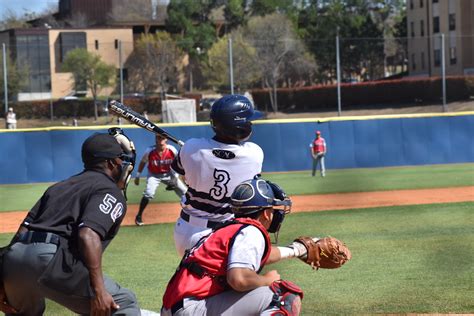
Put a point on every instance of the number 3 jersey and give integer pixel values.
(212, 171)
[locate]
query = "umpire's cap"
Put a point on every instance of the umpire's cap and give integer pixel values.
(99, 147)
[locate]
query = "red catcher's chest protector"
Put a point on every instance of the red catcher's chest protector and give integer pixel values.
(202, 272)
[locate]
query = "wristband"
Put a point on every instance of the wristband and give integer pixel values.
(286, 252)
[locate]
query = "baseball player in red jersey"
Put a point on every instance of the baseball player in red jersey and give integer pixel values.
(318, 151)
(159, 159)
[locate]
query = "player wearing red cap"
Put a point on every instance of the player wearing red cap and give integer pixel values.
(318, 152)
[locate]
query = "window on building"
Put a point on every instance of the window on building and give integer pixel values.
(32, 51)
(437, 57)
(116, 44)
(69, 41)
(412, 29)
(96, 44)
(436, 24)
(413, 62)
(435, 1)
(452, 56)
(422, 28)
(421, 3)
(452, 21)
(411, 4)
(422, 60)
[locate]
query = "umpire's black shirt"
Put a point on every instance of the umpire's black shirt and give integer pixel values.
(91, 199)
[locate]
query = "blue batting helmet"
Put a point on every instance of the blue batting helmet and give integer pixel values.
(231, 117)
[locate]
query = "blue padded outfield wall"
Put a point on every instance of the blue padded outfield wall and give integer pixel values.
(50, 155)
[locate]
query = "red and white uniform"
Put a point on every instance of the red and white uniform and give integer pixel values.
(319, 145)
(215, 254)
(159, 163)
(318, 150)
(159, 170)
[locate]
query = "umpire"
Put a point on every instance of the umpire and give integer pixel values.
(57, 251)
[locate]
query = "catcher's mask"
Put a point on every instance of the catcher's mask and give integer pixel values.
(231, 117)
(256, 195)
(127, 156)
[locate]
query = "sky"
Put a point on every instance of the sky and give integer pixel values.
(22, 6)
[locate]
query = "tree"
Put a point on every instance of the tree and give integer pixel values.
(154, 63)
(10, 20)
(234, 13)
(264, 7)
(274, 39)
(244, 61)
(15, 78)
(194, 32)
(88, 68)
(323, 20)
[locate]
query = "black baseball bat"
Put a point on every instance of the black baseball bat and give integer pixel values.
(138, 119)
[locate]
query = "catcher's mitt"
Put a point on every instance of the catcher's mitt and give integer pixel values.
(326, 253)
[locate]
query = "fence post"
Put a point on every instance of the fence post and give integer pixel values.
(231, 67)
(121, 71)
(51, 113)
(443, 70)
(5, 76)
(338, 69)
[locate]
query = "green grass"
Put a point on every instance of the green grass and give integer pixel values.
(411, 259)
(22, 197)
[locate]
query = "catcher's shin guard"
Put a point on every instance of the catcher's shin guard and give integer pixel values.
(286, 300)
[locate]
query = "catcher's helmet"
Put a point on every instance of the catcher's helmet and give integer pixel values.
(254, 195)
(231, 117)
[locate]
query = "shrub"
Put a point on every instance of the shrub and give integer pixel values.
(79, 108)
(368, 94)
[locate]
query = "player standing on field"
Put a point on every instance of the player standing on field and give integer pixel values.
(214, 167)
(318, 152)
(159, 159)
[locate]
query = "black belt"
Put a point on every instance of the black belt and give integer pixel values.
(176, 307)
(210, 224)
(44, 237)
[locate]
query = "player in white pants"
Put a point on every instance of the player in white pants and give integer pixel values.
(158, 158)
(214, 167)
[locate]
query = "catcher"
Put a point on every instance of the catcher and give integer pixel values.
(220, 274)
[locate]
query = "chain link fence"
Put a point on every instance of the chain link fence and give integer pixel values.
(282, 75)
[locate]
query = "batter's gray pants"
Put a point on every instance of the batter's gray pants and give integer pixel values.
(25, 263)
(255, 302)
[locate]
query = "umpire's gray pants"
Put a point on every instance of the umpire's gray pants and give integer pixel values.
(25, 263)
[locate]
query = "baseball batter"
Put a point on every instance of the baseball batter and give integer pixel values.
(214, 167)
(158, 158)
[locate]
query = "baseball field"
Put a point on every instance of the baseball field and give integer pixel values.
(413, 254)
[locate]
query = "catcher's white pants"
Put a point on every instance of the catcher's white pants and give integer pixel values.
(153, 181)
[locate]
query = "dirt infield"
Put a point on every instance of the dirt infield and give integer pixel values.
(168, 212)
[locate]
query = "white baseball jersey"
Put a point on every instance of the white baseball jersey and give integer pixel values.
(212, 171)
